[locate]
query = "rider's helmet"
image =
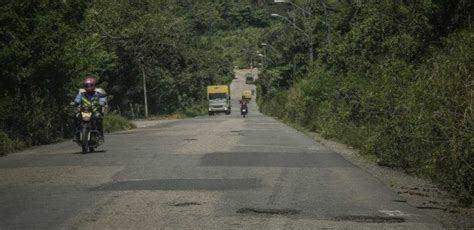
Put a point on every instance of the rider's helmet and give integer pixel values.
(89, 84)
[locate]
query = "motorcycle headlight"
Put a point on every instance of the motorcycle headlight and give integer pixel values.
(86, 116)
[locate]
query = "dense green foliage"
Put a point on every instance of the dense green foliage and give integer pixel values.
(48, 47)
(392, 78)
(36, 74)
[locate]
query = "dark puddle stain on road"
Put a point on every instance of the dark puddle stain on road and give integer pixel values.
(400, 201)
(182, 184)
(190, 139)
(371, 219)
(268, 211)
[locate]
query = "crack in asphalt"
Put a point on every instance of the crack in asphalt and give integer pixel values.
(268, 211)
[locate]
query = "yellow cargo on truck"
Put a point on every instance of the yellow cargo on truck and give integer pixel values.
(247, 95)
(219, 99)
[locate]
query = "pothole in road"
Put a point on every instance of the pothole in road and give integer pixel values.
(237, 132)
(184, 204)
(190, 139)
(268, 211)
(371, 219)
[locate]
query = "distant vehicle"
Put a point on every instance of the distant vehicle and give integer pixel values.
(247, 95)
(249, 78)
(219, 99)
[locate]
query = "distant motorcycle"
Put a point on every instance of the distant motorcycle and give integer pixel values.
(243, 110)
(87, 134)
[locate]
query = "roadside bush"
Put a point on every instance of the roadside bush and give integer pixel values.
(194, 109)
(274, 105)
(6, 145)
(434, 133)
(417, 118)
(295, 106)
(443, 101)
(114, 122)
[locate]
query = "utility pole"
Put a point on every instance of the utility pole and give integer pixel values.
(144, 90)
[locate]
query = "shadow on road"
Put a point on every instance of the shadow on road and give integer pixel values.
(97, 151)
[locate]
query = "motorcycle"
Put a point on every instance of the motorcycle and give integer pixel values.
(243, 110)
(87, 134)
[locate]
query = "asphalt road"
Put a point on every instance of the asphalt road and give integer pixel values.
(216, 172)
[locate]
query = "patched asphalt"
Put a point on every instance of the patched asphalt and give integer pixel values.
(211, 172)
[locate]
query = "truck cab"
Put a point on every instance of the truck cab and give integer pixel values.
(219, 99)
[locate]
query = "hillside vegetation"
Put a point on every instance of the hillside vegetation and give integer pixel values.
(393, 78)
(48, 47)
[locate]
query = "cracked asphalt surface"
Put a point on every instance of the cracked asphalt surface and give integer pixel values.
(211, 172)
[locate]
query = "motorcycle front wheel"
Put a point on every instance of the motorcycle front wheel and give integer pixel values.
(85, 140)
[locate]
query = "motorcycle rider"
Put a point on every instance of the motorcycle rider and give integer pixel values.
(243, 104)
(94, 97)
(243, 101)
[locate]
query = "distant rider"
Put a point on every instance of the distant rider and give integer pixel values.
(243, 101)
(94, 97)
(243, 104)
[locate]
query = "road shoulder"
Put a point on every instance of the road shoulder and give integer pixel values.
(418, 192)
(148, 123)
